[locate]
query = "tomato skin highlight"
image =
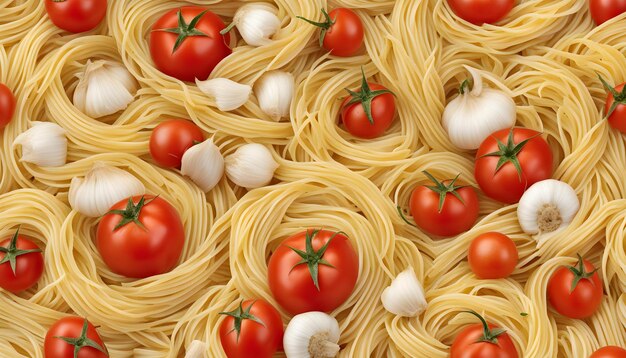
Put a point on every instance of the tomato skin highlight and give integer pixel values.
(583, 301)
(28, 269)
(171, 139)
(617, 119)
(492, 255)
(7, 105)
(465, 345)
(294, 289)
(76, 15)
(479, 12)
(383, 112)
(605, 10)
(609, 352)
(345, 36)
(71, 327)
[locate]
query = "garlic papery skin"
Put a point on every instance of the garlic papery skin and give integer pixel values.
(44, 144)
(547, 206)
(228, 94)
(105, 87)
(274, 91)
(257, 22)
(102, 187)
(312, 335)
(197, 349)
(473, 115)
(405, 296)
(251, 166)
(204, 164)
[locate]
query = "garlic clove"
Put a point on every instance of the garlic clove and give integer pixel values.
(251, 166)
(274, 91)
(312, 335)
(44, 144)
(229, 95)
(204, 164)
(547, 206)
(405, 296)
(256, 23)
(197, 349)
(101, 188)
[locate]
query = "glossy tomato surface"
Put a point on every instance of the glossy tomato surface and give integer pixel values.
(467, 345)
(171, 139)
(76, 15)
(492, 255)
(609, 352)
(604, 10)
(481, 11)
(71, 327)
(355, 119)
(580, 303)
(345, 37)
(617, 119)
(28, 267)
(7, 105)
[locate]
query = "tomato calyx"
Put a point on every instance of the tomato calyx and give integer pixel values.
(131, 212)
(580, 273)
(618, 97)
(313, 258)
(508, 153)
(401, 213)
(82, 341)
(185, 29)
(489, 335)
(365, 96)
(12, 252)
(443, 189)
(325, 26)
(239, 315)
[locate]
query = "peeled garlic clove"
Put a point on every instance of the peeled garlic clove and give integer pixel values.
(256, 23)
(197, 349)
(547, 206)
(44, 144)
(101, 188)
(405, 296)
(274, 90)
(204, 164)
(312, 335)
(251, 166)
(229, 95)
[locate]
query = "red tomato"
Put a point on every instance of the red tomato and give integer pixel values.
(604, 10)
(143, 239)
(492, 255)
(171, 139)
(71, 332)
(21, 263)
(254, 329)
(509, 161)
(445, 209)
(483, 340)
(609, 352)
(481, 11)
(190, 48)
(576, 291)
(615, 107)
(7, 105)
(314, 270)
(76, 15)
(342, 32)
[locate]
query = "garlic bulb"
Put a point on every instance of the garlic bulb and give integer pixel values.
(274, 90)
(44, 144)
(256, 23)
(104, 88)
(547, 206)
(101, 188)
(405, 296)
(197, 349)
(312, 335)
(228, 94)
(251, 166)
(204, 164)
(474, 115)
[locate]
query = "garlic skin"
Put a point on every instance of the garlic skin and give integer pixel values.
(229, 95)
(547, 206)
(257, 22)
(102, 187)
(251, 166)
(472, 116)
(44, 144)
(312, 335)
(204, 164)
(197, 349)
(405, 296)
(104, 88)
(274, 90)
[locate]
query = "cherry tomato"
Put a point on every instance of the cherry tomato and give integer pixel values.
(21, 263)
(342, 32)
(445, 209)
(575, 291)
(7, 105)
(605, 10)
(481, 11)
(615, 106)
(76, 15)
(483, 340)
(509, 161)
(492, 255)
(186, 43)
(171, 139)
(141, 237)
(315, 270)
(609, 352)
(254, 329)
(69, 333)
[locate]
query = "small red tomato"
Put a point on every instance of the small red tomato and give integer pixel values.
(492, 255)
(21, 263)
(481, 11)
(575, 291)
(444, 209)
(483, 340)
(615, 107)
(254, 329)
(605, 10)
(7, 105)
(71, 334)
(171, 139)
(76, 15)
(342, 32)
(609, 352)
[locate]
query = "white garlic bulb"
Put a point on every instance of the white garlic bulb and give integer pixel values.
(274, 90)
(547, 206)
(256, 23)
(102, 187)
(473, 115)
(204, 164)
(228, 94)
(405, 296)
(251, 166)
(312, 335)
(197, 349)
(44, 144)
(105, 87)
